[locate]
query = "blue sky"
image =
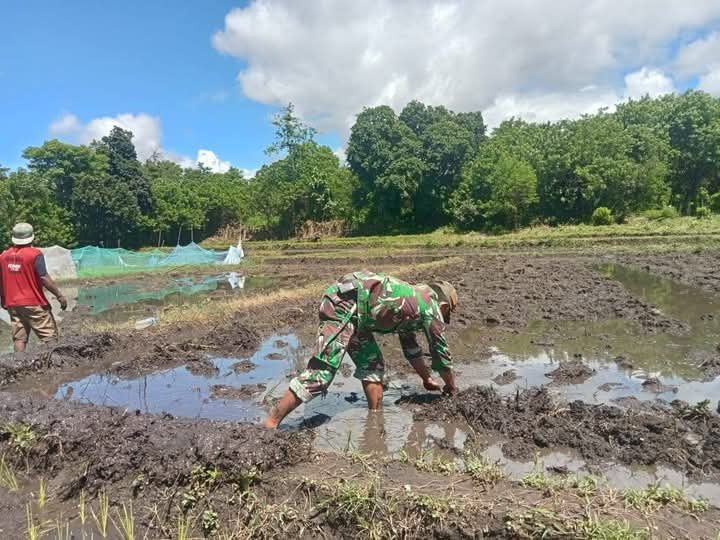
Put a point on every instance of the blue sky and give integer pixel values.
(207, 75)
(92, 59)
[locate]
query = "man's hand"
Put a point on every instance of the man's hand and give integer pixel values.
(63, 302)
(430, 385)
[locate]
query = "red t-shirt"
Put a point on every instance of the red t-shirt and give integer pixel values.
(20, 278)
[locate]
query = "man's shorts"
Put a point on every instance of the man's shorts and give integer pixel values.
(39, 319)
(339, 339)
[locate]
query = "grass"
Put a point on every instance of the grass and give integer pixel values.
(42, 494)
(482, 470)
(22, 437)
(540, 523)
(81, 507)
(127, 522)
(101, 518)
(564, 234)
(656, 495)
(8, 480)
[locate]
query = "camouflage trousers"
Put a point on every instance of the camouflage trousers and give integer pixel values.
(338, 339)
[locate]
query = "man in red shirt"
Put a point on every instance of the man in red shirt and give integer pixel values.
(23, 275)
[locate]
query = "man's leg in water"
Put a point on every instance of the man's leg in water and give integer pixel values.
(369, 367)
(313, 381)
(335, 331)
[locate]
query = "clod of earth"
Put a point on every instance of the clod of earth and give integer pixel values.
(506, 377)
(574, 372)
(69, 353)
(244, 366)
(653, 384)
(531, 419)
(274, 356)
(244, 392)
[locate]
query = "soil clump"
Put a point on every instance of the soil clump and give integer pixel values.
(243, 392)
(573, 372)
(532, 419)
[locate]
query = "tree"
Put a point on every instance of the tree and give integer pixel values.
(125, 167)
(498, 190)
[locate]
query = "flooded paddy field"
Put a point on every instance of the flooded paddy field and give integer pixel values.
(583, 380)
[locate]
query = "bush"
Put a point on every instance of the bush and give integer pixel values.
(702, 212)
(667, 212)
(602, 216)
(715, 202)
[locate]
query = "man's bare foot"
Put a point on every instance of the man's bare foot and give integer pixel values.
(431, 386)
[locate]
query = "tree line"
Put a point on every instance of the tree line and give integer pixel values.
(424, 168)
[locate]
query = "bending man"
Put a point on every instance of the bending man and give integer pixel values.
(353, 309)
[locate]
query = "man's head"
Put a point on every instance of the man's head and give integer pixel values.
(22, 234)
(447, 297)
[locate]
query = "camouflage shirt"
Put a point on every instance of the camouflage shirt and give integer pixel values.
(387, 305)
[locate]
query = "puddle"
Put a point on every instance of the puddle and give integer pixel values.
(182, 393)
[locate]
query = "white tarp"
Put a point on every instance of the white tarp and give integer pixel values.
(234, 254)
(59, 261)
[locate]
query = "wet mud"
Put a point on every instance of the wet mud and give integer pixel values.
(531, 419)
(573, 372)
(246, 391)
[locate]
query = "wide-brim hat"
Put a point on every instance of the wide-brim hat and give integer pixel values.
(446, 293)
(22, 234)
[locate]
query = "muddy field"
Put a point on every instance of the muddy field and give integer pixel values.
(605, 366)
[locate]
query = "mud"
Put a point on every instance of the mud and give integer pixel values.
(573, 372)
(654, 385)
(88, 447)
(700, 269)
(69, 353)
(246, 391)
(506, 377)
(531, 419)
(244, 366)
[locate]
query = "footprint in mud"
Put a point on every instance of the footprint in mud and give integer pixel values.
(244, 392)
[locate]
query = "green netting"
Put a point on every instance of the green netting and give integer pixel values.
(99, 299)
(94, 261)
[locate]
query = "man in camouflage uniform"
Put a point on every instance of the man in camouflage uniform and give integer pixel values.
(355, 307)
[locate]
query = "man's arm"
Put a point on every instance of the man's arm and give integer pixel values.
(414, 355)
(47, 281)
(435, 331)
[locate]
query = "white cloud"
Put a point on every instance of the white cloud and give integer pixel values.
(700, 56)
(710, 82)
(648, 82)
(334, 57)
(147, 137)
(209, 159)
(145, 128)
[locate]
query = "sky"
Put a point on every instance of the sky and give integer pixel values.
(200, 80)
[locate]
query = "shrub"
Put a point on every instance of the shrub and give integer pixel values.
(702, 212)
(602, 216)
(715, 202)
(667, 212)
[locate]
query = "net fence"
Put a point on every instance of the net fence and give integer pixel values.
(93, 261)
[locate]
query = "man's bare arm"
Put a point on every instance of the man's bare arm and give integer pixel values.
(50, 285)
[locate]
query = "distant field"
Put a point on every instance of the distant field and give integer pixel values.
(688, 228)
